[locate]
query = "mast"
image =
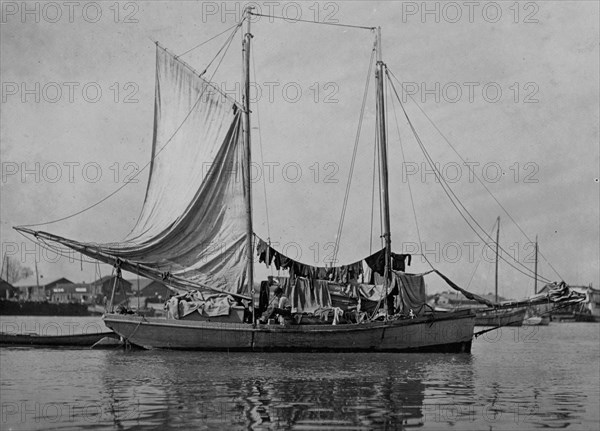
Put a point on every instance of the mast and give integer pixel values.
(5, 262)
(384, 166)
(247, 161)
(535, 267)
(497, 254)
(37, 277)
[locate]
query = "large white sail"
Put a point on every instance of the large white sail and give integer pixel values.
(193, 221)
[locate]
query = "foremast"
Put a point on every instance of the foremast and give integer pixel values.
(383, 162)
(497, 258)
(248, 158)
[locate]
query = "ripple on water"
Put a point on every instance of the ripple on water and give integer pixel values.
(507, 384)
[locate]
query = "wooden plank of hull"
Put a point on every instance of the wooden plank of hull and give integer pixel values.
(501, 318)
(452, 333)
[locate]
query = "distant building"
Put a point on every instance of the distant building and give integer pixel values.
(104, 287)
(28, 289)
(97, 292)
(80, 292)
(7, 290)
(150, 289)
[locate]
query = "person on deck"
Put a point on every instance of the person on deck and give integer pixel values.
(279, 305)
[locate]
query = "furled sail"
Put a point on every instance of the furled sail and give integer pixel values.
(193, 222)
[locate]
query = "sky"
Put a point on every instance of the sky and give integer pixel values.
(513, 87)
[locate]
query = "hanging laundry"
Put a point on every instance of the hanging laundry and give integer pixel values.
(377, 261)
(398, 261)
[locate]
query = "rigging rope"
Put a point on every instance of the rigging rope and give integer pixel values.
(291, 20)
(262, 158)
(412, 202)
(133, 177)
(450, 193)
(474, 173)
(206, 41)
(375, 158)
(479, 260)
(356, 141)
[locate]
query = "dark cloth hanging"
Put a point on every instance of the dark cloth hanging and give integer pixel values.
(267, 254)
(263, 297)
(400, 261)
(342, 274)
(390, 300)
(377, 261)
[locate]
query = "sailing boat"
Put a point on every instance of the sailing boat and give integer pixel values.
(533, 317)
(187, 212)
(499, 317)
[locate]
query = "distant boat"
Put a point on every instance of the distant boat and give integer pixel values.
(499, 317)
(535, 316)
(536, 320)
(75, 340)
(587, 310)
(510, 317)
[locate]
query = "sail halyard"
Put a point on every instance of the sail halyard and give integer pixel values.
(383, 165)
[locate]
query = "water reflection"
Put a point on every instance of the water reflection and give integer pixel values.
(282, 391)
(510, 383)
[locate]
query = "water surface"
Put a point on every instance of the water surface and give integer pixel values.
(516, 378)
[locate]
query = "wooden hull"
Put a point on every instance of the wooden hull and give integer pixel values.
(509, 317)
(451, 332)
(79, 340)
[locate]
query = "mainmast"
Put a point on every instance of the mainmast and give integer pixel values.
(248, 158)
(385, 197)
(535, 267)
(497, 255)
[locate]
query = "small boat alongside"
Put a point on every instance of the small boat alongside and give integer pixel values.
(73, 340)
(537, 321)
